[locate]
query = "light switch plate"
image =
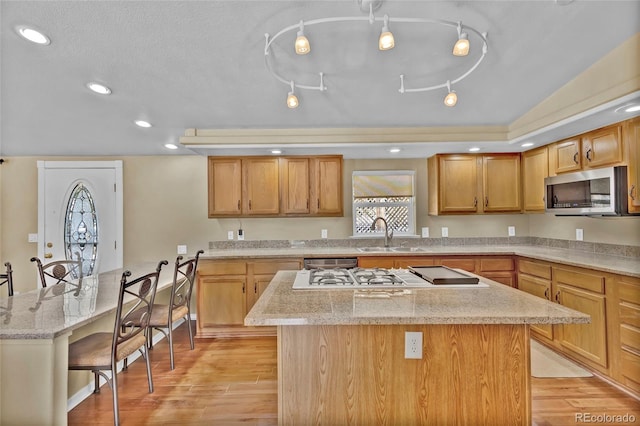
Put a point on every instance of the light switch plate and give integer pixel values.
(324, 233)
(425, 232)
(32, 238)
(182, 249)
(579, 234)
(512, 231)
(445, 231)
(229, 235)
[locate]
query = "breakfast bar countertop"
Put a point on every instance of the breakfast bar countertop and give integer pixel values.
(604, 262)
(280, 304)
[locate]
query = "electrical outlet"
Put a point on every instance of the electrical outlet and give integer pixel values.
(445, 231)
(229, 235)
(425, 232)
(512, 231)
(413, 344)
(240, 234)
(324, 233)
(579, 234)
(182, 249)
(32, 238)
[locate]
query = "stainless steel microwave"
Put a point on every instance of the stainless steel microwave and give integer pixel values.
(588, 193)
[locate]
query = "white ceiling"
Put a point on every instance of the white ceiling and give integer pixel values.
(200, 64)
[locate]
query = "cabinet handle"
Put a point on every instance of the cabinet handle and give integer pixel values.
(238, 204)
(575, 158)
(249, 204)
(307, 203)
(243, 285)
(475, 201)
(318, 203)
(558, 296)
(255, 287)
(486, 201)
(546, 293)
(633, 187)
(589, 154)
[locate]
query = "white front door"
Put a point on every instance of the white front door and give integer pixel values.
(80, 211)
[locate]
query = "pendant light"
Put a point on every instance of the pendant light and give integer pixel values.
(292, 99)
(386, 41)
(461, 48)
(451, 99)
(302, 45)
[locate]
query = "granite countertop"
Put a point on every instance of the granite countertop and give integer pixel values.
(50, 312)
(280, 304)
(603, 262)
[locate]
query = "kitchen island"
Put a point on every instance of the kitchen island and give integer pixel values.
(341, 353)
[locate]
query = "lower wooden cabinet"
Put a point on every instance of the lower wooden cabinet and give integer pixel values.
(625, 332)
(228, 289)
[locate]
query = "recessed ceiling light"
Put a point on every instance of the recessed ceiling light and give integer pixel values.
(33, 36)
(527, 144)
(628, 108)
(99, 88)
(474, 149)
(394, 150)
(276, 151)
(142, 123)
(170, 146)
(633, 108)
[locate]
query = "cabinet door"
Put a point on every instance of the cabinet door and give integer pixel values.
(458, 178)
(602, 147)
(501, 183)
(260, 184)
(327, 186)
(405, 262)
(535, 167)
(221, 301)
(294, 185)
(567, 156)
(261, 272)
(466, 264)
(225, 186)
(540, 288)
(586, 340)
(376, 262)
(632, 141)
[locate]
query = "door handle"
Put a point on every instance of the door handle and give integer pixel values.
(49, 244)
(48, 255)
(633, 187)
(575, 158)
(588, 155)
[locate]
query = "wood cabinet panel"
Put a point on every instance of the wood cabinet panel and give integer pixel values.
(602, 147)
(537, 269)
(221, 301)
(541, 288)
(467, 264)
(295, 185)
(632, 143)
(224, 186)
(581, 279)
(488, 264)
(376, 262)
(626, 351)
(535, 168)
(405, 262)
(458, 184)
(567, 156)
(501, 183)
(261, 186)
(326, 189)
(506, 278)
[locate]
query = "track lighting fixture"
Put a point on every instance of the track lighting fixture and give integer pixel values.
(385, 42)
(292, 99)
(451, 99)
(461, 48)
(302, 43)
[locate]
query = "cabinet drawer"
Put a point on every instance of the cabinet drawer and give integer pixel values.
(464, 264)
(534, 268)
(587, 281)
(498, 264)
(629, 292)
(274, 265)
(629, 314)
(630, 338)
(630, 367)
(222, 268)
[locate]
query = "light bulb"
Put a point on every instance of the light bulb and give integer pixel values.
(292, 100)
(386, 41)
(302, 44)
(461, 48)
(451, 99)
(34, 36)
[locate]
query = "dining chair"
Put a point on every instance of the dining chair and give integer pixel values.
(164, 316)
(58, 271)
(7, 278)
(101, 351)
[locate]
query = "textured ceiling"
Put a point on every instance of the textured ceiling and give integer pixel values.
(200, 64)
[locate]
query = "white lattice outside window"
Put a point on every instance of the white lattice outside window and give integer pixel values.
(388, 194)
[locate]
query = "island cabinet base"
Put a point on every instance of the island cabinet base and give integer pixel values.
(357, 375)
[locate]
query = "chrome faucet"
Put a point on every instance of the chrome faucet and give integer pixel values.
(387, 235)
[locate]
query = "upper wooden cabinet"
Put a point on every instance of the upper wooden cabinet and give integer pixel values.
(467, 183)
(535, 167)
(275, 186)
(598, 148)
(632, 142)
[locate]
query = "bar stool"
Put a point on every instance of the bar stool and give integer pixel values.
(101, 351)
(68, 271)
(7, 278)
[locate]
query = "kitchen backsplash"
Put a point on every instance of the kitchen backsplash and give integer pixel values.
(602, 248)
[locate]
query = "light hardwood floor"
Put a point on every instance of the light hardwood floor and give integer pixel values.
(234, 382)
